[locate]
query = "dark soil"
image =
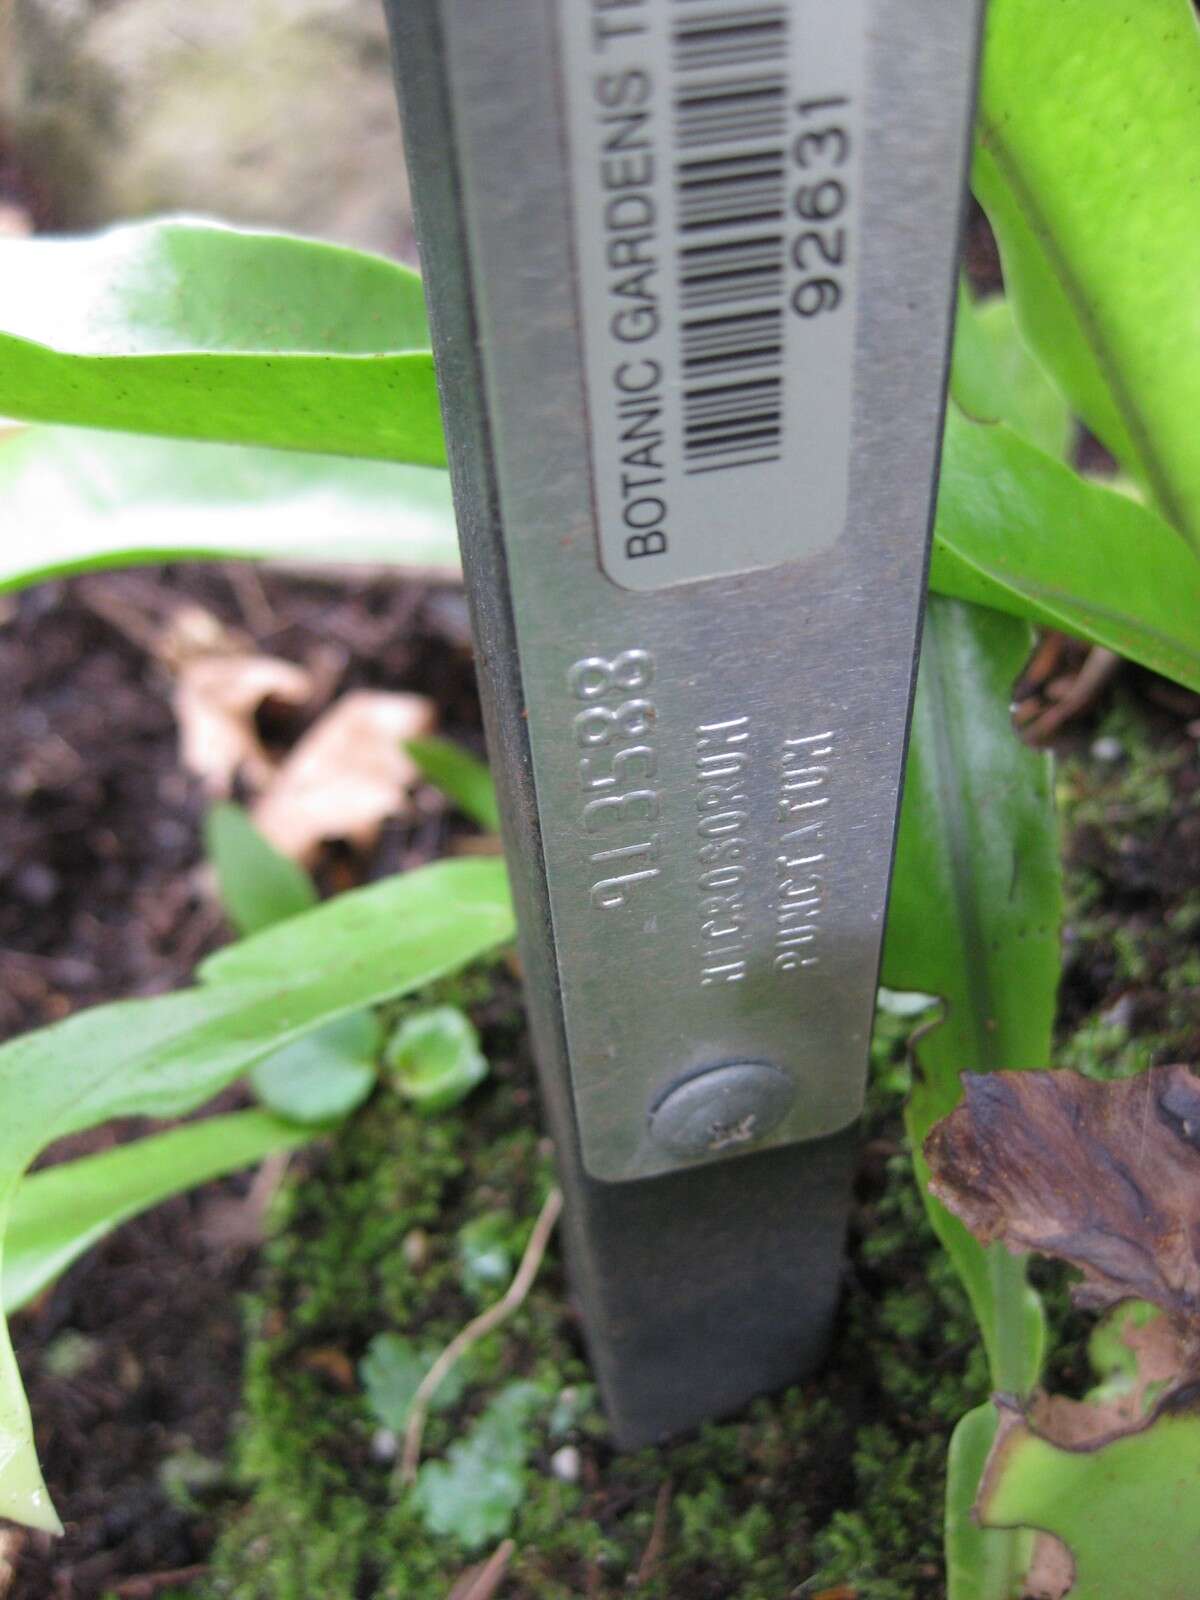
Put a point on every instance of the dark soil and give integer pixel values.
(134, 1360)
(99, 835)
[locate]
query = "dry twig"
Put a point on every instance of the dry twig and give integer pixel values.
(1045, 660)
(481, 1583)
(1083, 691)
(477, 1329)
(658, 1535)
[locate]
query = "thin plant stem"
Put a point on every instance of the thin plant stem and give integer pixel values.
(477, 1329)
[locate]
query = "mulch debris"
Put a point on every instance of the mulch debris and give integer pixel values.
(133, 1360)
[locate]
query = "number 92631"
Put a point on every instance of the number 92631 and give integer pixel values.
(820, 201)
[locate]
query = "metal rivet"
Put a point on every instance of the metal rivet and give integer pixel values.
(722, 1109)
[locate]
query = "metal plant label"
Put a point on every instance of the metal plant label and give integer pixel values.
(690, 269)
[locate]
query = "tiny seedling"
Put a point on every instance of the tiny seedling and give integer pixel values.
(474, 1492)
(434, 1058)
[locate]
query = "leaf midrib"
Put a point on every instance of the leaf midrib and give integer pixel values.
(948, 779)
(1153, 467)
(1070, 610)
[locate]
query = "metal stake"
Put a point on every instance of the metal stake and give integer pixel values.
(689, 265)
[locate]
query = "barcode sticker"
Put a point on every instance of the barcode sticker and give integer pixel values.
(714, 173)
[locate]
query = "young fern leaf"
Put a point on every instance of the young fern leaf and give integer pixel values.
(995, 378)
(974, 918)
(258, 886)
(978, 841)
(1018, 530)
(76, 499)
(1023, 533)
(1088, 164)
(221, 334)
(63, 1210)
(196, 331)
(166, 1056)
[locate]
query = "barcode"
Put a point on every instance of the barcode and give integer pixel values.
(731, 109)
(732, 271)
(729, 188)
(712, 151)
(735, 36)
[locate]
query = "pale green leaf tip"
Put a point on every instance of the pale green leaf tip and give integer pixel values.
(24, 1497)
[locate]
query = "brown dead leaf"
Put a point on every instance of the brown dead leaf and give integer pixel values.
(1051, 1574)
(216, 697)
(1160, 1365)
(1105, 1176)
(347, 774)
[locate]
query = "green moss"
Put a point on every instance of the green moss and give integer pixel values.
(368, 1237)
(1132, 972)
(1136, 789)
(1103, 1048)
(890, 1547)
(835, 1483)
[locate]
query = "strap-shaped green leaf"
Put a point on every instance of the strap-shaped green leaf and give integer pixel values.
(1088, 165)
(1023, 533)
(994, 378)
(75, 499)
(165, 1056)
(974, 917)
(62, 1211)
(1016, 530)
(202, 332)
